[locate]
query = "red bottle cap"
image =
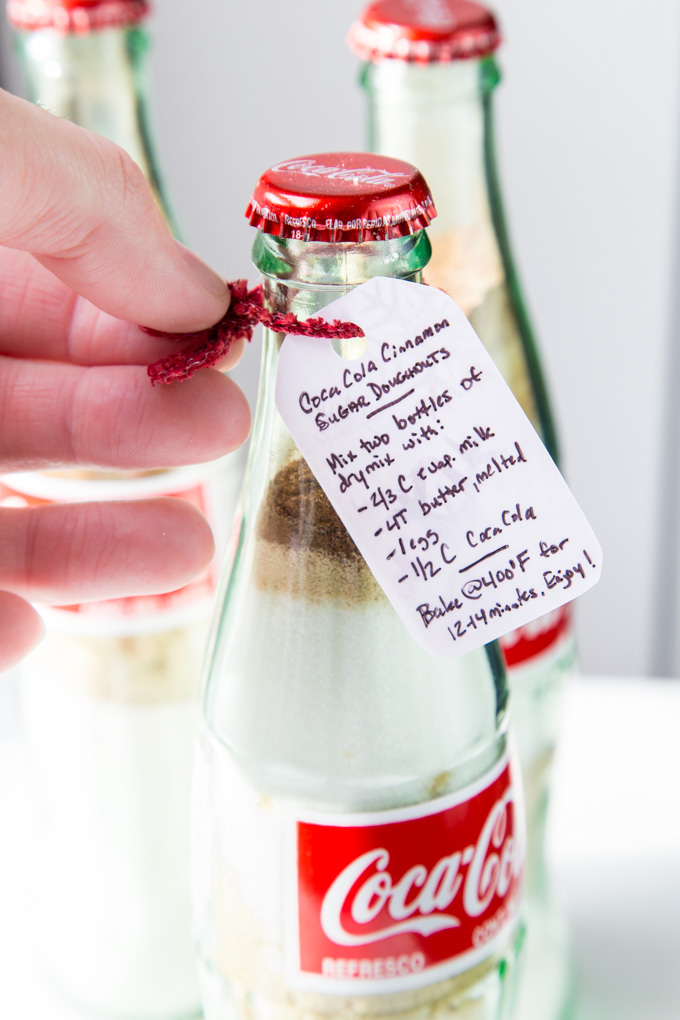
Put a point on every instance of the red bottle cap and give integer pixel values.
(77, 16)
(341, 196)
(424, 31)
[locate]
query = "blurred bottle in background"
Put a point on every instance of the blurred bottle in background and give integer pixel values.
(429, 74)
(85, 60)
(109, 698)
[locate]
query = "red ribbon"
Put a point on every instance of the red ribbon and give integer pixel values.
(206, 347)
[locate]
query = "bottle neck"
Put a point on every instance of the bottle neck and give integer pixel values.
(440, 118)
(304, 276)
(96, 80)
(437, 117)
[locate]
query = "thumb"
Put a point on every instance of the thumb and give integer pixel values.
(82, 207)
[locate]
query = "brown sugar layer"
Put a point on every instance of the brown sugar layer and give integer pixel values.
(304, 548)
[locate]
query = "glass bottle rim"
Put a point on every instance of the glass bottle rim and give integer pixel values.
(75, 16)
(424, 32)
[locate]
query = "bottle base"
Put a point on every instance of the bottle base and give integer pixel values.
(485, 993)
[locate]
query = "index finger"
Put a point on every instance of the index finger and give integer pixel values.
(40, 317)
(82, 207)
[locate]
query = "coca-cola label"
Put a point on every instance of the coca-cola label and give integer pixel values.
(527, 645)
(398, 899)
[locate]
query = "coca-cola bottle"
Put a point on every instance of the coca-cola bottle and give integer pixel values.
(357, 830)
(429, 74)
(85, 60)
(109, 698)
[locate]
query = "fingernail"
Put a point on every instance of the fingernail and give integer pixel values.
(206, 276)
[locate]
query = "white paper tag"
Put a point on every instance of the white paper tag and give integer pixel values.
(435, 470)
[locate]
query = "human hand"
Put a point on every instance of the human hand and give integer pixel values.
(85, 254)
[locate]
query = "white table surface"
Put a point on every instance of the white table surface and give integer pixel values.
(614, 849)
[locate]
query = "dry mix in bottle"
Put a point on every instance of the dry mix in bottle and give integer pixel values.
(429, 74)
(358, 835)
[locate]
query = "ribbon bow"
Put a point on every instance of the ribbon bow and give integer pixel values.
(206, 347)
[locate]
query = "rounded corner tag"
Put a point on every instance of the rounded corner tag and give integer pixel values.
(435, 470)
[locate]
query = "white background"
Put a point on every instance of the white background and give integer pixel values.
(587, 117)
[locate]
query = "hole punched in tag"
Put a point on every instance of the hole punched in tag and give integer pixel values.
(350, 348)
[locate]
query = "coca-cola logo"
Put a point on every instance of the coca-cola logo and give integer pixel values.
(419, 891)
(355, 175)
(419, 900)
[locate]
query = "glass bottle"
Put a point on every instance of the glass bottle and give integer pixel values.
(109, 698)
(429, 74)
(320, 712)
(85, 60)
